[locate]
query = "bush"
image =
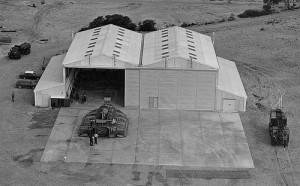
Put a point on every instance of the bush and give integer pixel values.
(116, 19)
(267, 7)
(253, 13)
(147, 25)
(184, 24)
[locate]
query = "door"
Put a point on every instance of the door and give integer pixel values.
(153, 102)
(229, 105)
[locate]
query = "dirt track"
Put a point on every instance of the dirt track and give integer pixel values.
(267, 61)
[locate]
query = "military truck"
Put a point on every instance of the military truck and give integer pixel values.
(278, 130)
(16, 51)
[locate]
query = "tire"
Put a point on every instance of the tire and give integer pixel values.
(102, 131)
(273, 141)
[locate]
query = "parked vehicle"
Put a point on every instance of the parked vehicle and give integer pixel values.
(16, 51)
(30, 75)
(26, 83)
(278, 130)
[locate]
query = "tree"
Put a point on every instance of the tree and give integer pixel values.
(147, 25)
(116, 19)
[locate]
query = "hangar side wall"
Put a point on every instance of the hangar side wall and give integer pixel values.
(177, 89)
(42, 98)
(240, 103)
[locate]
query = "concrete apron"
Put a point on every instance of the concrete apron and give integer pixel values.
(177, 139)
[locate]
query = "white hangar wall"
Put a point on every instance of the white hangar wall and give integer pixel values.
(170, 89)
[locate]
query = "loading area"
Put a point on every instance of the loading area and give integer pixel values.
(186, 139)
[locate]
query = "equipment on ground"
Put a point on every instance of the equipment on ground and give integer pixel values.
(106, 121)
(278, 130)
(16, 51)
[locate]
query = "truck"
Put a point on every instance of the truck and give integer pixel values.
(18, 50)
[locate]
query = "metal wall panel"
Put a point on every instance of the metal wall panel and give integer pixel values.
(206, 90)
(221, 95)
(132, 88)
(167, 89)
(186, 90)
(149, 86)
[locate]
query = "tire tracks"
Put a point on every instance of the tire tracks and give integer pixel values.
(281, 166)
(37, 19)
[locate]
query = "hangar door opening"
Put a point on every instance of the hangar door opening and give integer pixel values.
(100, 83)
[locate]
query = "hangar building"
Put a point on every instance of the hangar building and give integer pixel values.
(172, 68)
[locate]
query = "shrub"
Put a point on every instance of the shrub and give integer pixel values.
(253, 13)
(267, 7)
(184, 24)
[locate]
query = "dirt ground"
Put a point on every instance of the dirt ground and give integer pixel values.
(267, 56)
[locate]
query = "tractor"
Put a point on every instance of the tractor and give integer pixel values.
(106, 121)
(278, 130)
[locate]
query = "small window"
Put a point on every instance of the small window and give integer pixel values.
(120, 32)
(189, 37)
(87, 55)
(120, 39)
(117, 46)
(193, 58)
(192, 49)
(164, 45)
(165, 56)
(116, 51)
(166, 30)
(190, 41)
(191, 46)
(121, 29)
(116, 55)
(89, 51)
(188, 31)
(92, 43)
(120, 35)
(165, 53)
(91, 46)
(164, 40)
(94, 38)
(165, 36)
(165, 48)
(192, 54)
(97, 28)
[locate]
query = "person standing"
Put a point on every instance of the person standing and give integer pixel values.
(91, 136)
(95, 138)
(84, 97)
(13, 96)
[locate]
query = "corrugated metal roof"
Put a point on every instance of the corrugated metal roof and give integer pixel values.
(53, 74)
(110, 41)
(229, 78)
(177, 42)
